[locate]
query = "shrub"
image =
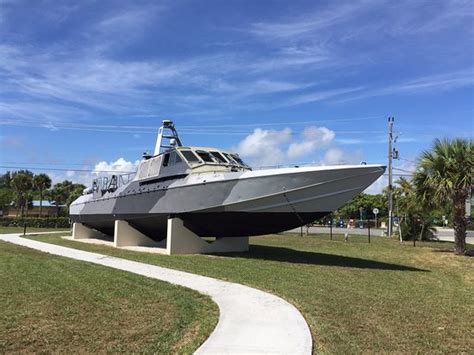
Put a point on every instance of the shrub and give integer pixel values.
(55, 222)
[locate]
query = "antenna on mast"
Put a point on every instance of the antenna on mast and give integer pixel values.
(167, 131)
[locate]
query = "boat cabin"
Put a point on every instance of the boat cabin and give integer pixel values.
(188, 160)
(171, 161)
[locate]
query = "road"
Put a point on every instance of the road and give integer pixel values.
(443, 234)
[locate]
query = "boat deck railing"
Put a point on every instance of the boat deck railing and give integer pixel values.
(104, 184)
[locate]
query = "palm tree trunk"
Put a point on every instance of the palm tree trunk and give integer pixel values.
(41, 203)
(460, 223)
(422, 230)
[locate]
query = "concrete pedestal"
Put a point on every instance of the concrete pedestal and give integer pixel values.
(80, 231)
(180, 240)
(127, 236)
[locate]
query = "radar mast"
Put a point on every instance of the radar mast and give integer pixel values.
(169, 133)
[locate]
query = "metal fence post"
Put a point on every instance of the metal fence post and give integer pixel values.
(368, 229)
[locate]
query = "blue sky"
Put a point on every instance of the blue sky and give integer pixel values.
(85, 84)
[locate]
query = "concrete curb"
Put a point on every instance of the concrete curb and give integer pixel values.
(250, 322)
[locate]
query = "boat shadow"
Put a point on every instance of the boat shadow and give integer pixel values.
(313, 258)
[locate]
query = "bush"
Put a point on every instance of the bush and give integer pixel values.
(417, 230)
(54, 222)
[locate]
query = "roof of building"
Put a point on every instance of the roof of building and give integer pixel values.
(46, 203)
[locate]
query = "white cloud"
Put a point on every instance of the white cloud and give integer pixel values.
(312, 138)
(310, 23)
(317, 96)
(378, 186)
(103, 168)
(334, 156)
(265, 147)
(431, 83)
(337, 156)
(119, 166)
(320, 135)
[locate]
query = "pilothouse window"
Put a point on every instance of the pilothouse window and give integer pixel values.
(238, 160)
(219, 157)
(190, 156)
(205, 156)
(177, 158)
(166, 159)
(229, 158)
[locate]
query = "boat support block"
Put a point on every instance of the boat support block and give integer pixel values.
(127, 236)
(80, 231)
(181, 240)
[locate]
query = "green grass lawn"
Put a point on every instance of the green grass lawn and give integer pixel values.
(50, 304)
(6, 230)
(356, 297)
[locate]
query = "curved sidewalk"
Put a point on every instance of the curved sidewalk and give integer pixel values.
(250, 321)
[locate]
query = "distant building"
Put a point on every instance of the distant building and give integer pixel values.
(49, 209)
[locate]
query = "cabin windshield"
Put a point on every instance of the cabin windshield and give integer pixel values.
(206, 156)
(212, 157)
(238, 160)
(218, 156)
(190, 156)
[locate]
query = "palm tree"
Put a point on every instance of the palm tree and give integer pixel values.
(61, 192)
(22, 183)
(42, 182)
(444, 175)
(415, 216)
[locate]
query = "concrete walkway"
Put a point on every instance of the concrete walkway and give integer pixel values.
(250, 321)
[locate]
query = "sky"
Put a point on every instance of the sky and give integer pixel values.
(84, 85)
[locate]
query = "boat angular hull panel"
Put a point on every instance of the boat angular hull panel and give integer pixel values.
(229, 205)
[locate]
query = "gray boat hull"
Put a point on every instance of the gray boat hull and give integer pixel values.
(228, 204)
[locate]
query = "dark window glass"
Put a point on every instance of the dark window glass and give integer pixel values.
(190, 156)
(166, 159)
(238, 160)
(177, 158)
(205, 156)
(229, 158)
(219, 157)
(174, 158)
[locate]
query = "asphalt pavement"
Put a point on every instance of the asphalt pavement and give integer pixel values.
(443, 234)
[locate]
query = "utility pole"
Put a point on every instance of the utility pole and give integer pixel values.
(390, 177)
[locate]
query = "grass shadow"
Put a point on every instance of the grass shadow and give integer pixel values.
(305, 257)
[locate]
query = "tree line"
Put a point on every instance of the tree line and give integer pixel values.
(440, 186)
(22, 186)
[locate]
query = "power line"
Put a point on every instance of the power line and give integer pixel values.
(131, 172)
(201, 129)
(46, 163)
(408, 160)
(404, 170)
(64, 169)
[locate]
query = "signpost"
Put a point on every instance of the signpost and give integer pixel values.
(330, 228)
(376, 212)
